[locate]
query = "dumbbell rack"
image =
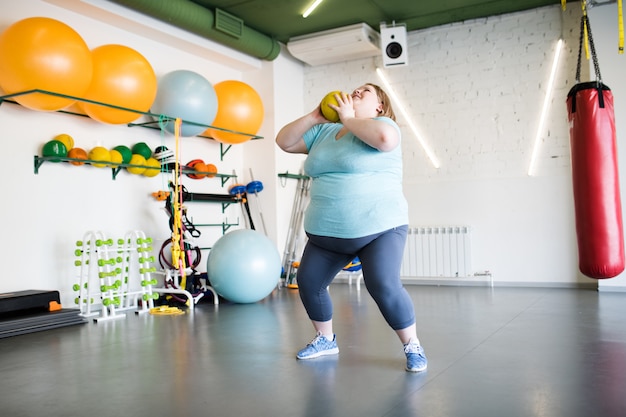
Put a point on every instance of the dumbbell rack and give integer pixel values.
(114, 276)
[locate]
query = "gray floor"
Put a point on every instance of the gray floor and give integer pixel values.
(502, 352)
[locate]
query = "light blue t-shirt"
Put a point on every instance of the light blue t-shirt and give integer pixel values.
(356, 190)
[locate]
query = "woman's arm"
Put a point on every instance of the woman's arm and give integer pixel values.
(376, 133)
(289, 138)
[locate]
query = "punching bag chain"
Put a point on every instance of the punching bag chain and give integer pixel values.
(584, 23)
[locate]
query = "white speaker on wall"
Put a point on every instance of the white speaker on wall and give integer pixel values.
(393, 45)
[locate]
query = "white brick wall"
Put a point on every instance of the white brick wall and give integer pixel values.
(475, 91)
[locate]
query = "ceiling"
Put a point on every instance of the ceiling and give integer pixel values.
(282, 19)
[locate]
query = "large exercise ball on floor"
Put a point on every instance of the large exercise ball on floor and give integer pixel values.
(40, 53)
(188, 96)
(244, 266)
(121, 77)
(240, 109)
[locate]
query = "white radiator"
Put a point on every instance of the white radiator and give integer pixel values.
(441, 251)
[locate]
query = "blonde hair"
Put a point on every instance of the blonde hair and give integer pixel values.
(387, 109)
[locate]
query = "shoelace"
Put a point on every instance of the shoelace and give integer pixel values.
(315, 339)
(411, 348)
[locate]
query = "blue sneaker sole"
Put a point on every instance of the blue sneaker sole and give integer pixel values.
(422, 369)
(326, 352)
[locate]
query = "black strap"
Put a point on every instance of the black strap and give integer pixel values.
(584, 21)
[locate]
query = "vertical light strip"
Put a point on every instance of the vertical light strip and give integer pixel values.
(311, 8)
(398, 103)
(545, 109)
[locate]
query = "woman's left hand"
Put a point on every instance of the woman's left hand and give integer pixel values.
(345, 106)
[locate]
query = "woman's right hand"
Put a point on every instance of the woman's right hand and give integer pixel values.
(317, 115)
(289, 138)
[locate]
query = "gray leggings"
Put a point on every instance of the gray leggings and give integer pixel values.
(381, 258)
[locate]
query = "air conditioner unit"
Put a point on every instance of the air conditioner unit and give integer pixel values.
(336, 45)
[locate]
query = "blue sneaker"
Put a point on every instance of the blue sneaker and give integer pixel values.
(319, 346)
(415, 359)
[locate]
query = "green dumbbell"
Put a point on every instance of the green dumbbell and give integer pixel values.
(110, 274)
(153, 296)
(105, 288)
(111, 301)
(102, 262)
(101, 242)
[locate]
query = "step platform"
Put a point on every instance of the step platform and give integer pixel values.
(31, 311)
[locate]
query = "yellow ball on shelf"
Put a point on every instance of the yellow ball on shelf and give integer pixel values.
(100, 154)
(154, 167)
(116, 157)
(66, 139)
(137, 159)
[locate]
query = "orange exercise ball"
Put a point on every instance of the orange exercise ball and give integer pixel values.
(239, 108)
(41, 53)
(121, 77)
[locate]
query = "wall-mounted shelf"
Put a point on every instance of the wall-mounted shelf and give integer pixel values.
(224, 148)
(286, 175)
(117, 167)
(224, 226)
(155, 124)
(293, 176)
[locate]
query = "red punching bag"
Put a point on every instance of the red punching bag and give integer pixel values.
(597, 201)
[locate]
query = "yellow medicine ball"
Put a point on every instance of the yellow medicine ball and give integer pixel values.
(327, 111)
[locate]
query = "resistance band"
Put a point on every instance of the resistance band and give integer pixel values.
(178, 260)
(620, 27)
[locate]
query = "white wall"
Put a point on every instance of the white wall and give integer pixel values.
(288, 85)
